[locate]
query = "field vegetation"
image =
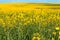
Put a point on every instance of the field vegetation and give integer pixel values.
(29, 22)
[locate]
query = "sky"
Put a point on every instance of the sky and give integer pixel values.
(44, 1)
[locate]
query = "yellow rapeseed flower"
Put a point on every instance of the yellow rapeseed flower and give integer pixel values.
(57, 28)
(58, 17)
(53, 38)
(59, 37)
(36, 38)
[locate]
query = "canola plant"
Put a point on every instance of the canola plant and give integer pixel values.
(35, 24)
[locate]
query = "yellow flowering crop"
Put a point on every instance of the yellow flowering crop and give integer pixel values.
(29, 22)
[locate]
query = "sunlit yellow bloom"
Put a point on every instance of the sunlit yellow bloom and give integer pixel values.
(36, 38)
(57, 28)
(36, 35)
(59, 37)
(59, 32)
(33, 38)
(58, 17)
(53, 39)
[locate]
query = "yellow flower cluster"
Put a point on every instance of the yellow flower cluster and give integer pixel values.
(36, 36)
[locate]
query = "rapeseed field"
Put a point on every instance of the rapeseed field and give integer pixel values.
(29, 22)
